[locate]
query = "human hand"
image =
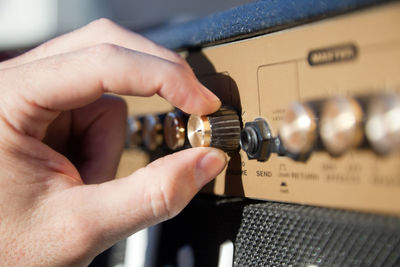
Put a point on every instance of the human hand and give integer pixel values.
(56, 211)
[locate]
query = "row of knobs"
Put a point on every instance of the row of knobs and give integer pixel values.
(335, 125)
(220, 129)
(343, 123)
(152, 130)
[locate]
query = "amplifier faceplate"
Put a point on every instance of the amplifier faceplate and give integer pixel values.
(357, 54)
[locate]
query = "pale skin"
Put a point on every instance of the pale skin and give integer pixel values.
(61, 140)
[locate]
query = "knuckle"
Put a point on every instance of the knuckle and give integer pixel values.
(101, 24)
(164, 199)
(178, 84)
(177, 76)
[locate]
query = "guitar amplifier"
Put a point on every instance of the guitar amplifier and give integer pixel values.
(313, 177)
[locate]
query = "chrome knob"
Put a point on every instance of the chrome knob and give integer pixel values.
(382, 127)
(341, 125)
(298, 131)
(134, 132)
(151, 132)
(174, 130)
(220, 129)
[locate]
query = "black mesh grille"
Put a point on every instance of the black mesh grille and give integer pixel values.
(277, 234)
(273, 234)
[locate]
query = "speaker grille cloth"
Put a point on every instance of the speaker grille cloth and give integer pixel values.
(274, 234)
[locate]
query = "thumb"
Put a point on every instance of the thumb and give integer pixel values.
(152, 194)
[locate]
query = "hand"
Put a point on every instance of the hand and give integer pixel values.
(61, 139)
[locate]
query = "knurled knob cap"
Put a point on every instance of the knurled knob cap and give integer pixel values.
(220, 129)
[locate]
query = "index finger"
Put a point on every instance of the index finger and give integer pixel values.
(76, 79)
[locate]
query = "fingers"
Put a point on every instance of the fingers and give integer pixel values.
(97, 32)
(150, 195)
(76, 79)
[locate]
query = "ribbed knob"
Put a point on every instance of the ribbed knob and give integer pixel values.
(220, 129)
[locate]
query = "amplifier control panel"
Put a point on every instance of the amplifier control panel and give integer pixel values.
(311, 114)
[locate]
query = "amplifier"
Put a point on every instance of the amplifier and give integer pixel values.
(311, 124)
(327, 94)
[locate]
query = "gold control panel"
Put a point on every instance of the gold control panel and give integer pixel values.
(328, 93)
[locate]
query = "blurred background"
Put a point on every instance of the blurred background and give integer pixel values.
(26, 23)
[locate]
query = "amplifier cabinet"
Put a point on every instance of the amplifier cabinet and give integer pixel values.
(352, 56)
(335, 203)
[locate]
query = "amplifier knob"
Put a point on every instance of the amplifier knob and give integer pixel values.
(151, 132)
(174, 130)
(298, 131)
(134, 132)
(340, 127)
(382, 127)
(220, 129)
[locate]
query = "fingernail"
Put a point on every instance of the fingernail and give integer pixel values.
(209, 166)
(210, 96)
